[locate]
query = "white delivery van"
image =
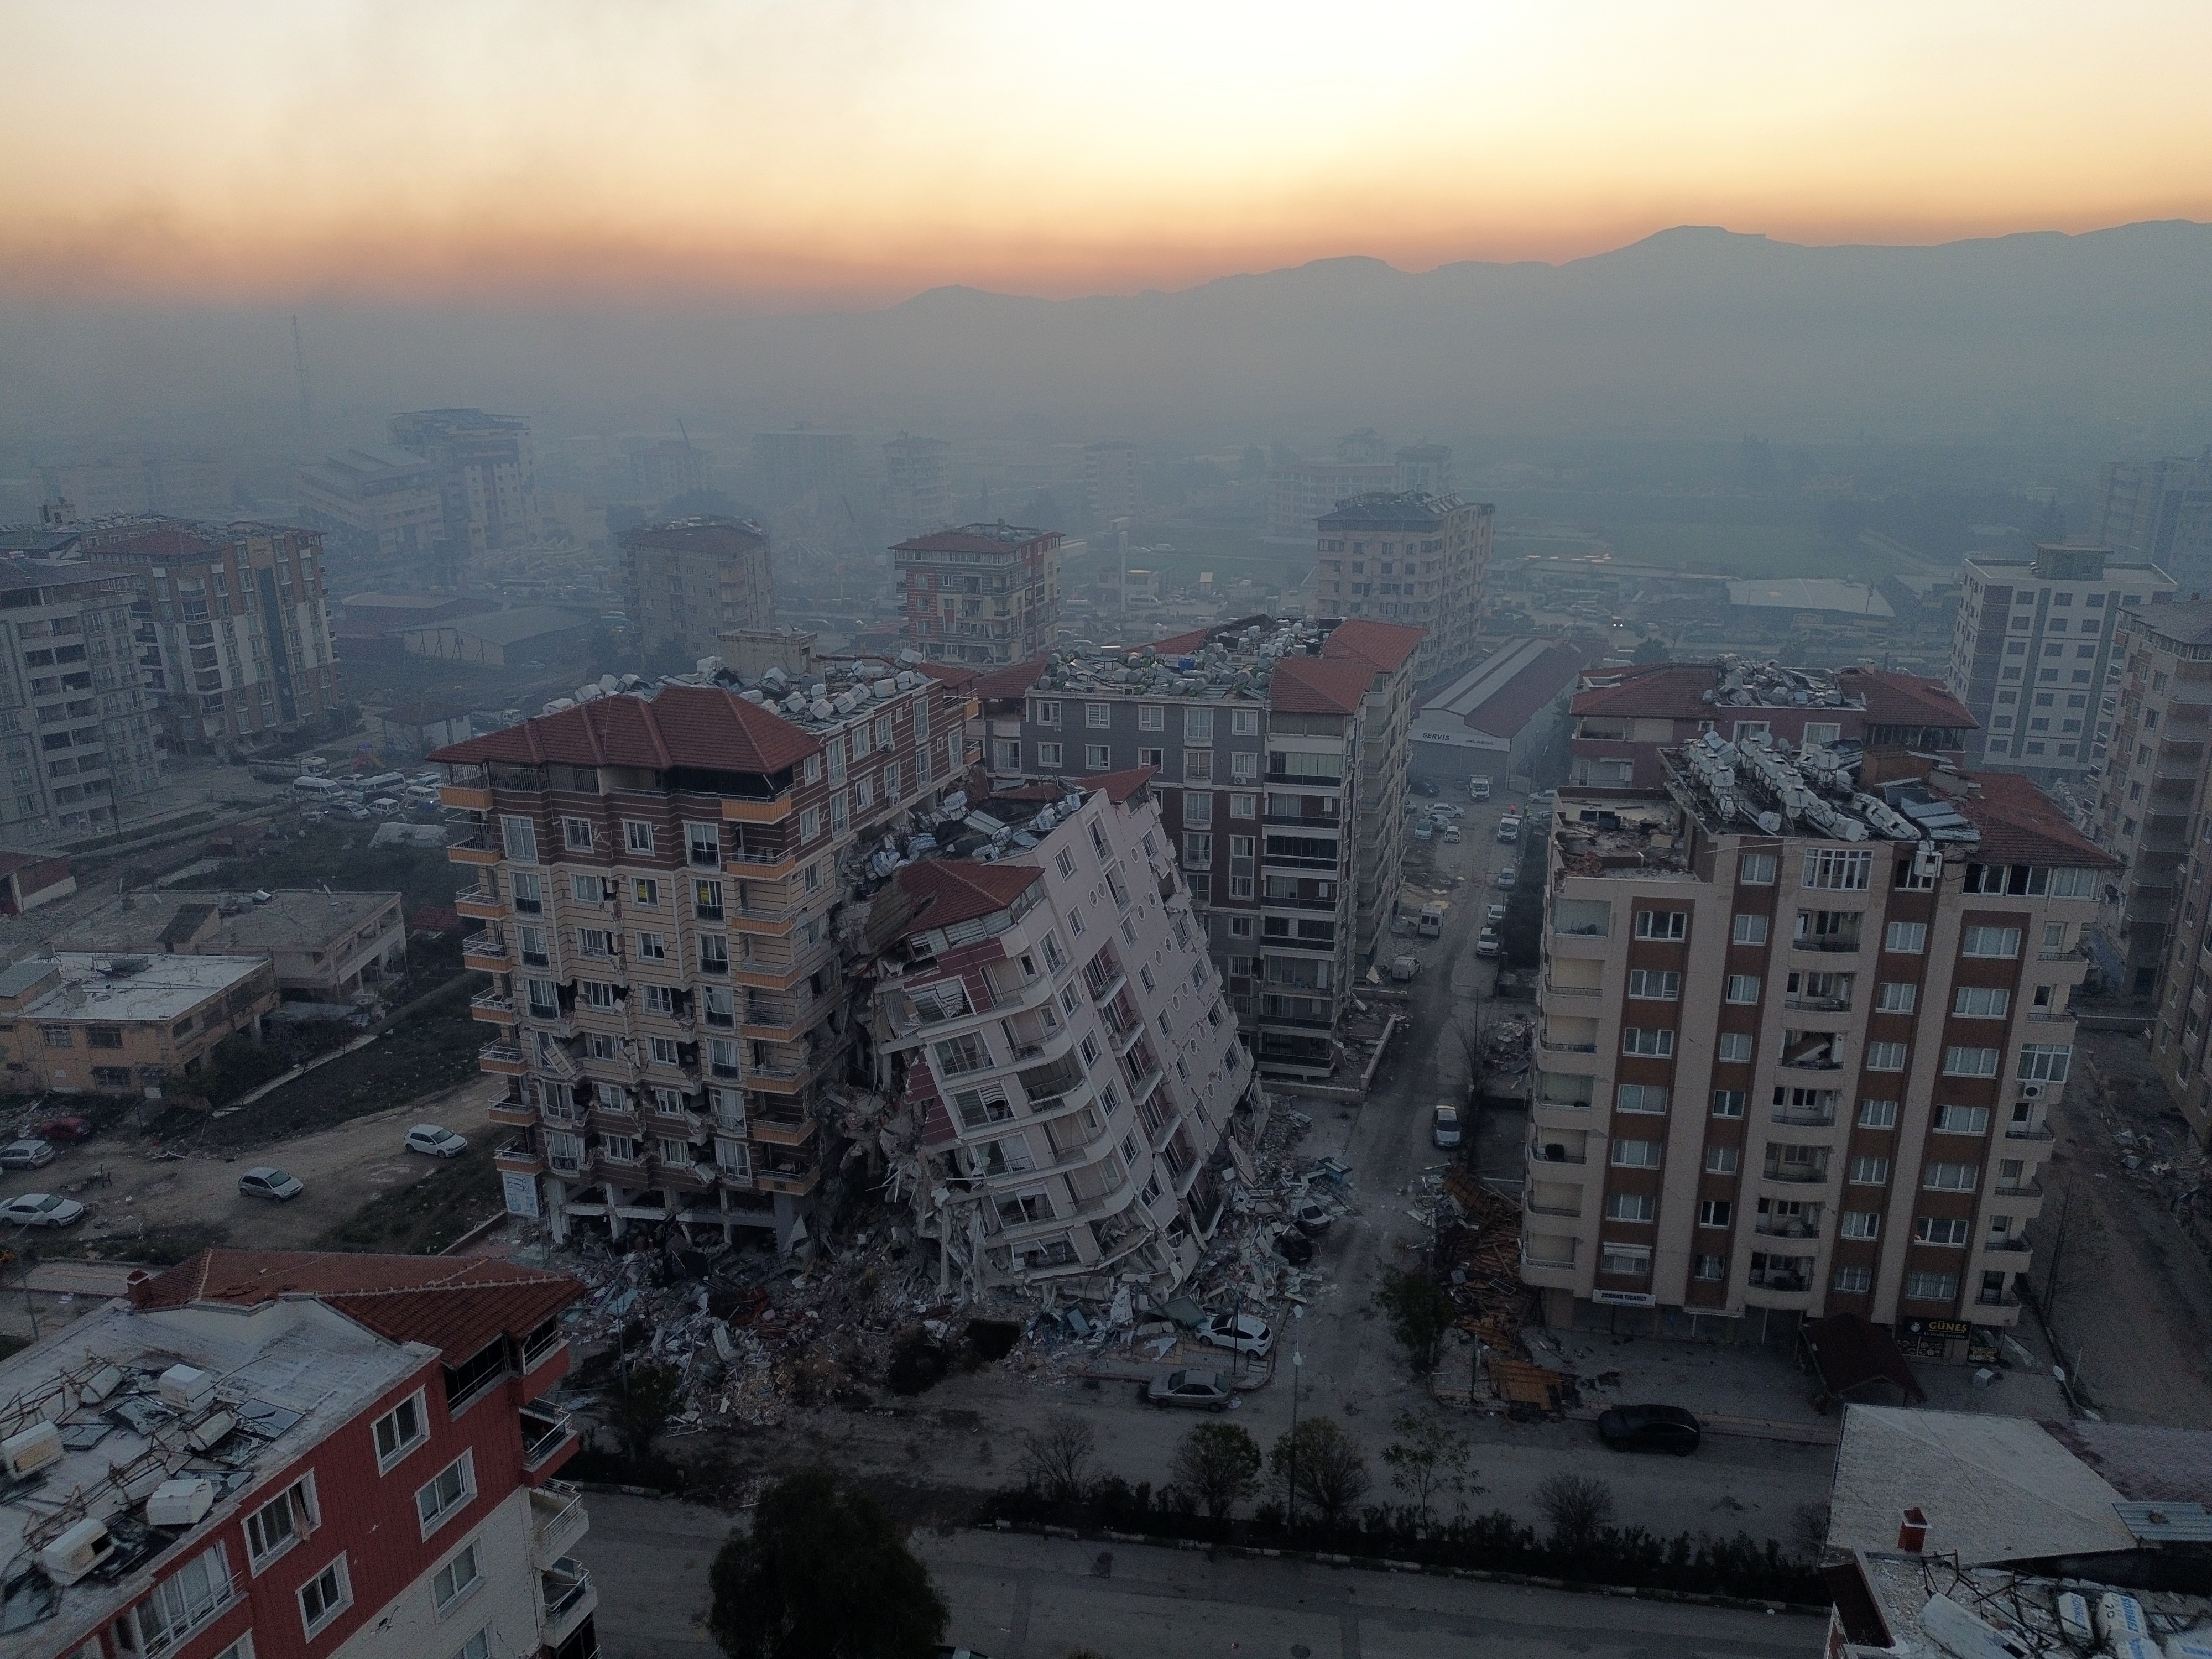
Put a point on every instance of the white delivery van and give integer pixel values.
(315, 789)
(1433, 920)
(384, 783)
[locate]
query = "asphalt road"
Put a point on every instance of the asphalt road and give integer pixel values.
(1021, 1597)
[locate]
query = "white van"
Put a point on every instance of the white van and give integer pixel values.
(384, 783)
(1433, 921)
(315, 789)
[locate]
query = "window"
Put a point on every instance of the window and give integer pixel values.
(1637, 1154)
(576, 835)
(1885, 1057)
(1655, 984)
(1663, 924)
(1714, 1213)
(1877, 1114)
(1639, 1097)
(1940, 1230)
(1197, 809)
(1905, 938)
(598, 993)
(1869, 1171)
(1963, 1119)
(400, 1431)
(2054, 937)
(455, 1579)
(1711, 1267)
(1626, 1260)
(1150, 717)
(1755, 869)
(588, 890)
(529, 894)
(1961, 1062)
(1720, 1160)
(1734, 1047)
(281, 1522)
(1630, 1207)
(637, 837)
(1198, 726)
(1742, 987)
(1654, 1044)
(1750, 930)
(714, 954)
(325, 1596)
(1835, 868)
(1862, 1223)
(520, 838)
(450, 1489)
(184, 1600)
(646, 892)
(1895, 997)
(1990, 942)
(1098, 756)
(1728, 1102)
(1951, 1177)
(1243, 806)
(1100, 714)
(2044, 1062)
(1048, 756)
(594, 942)
(1854, 1280)
(651, 947)
(962, 1054)
(1932, 1288)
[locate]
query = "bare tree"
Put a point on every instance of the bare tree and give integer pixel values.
(1328, 1464)
(1808, 1530)
(1056, 1459)
(1578, 1508)
(1218, 1464)
(1427, 1460)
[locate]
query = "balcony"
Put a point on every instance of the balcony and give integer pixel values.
(464, 798)
(795, 1179)
(570, 1599)
(1834, 944)
(1796, 1173)
(479, 906)
(520, 1156)
(783, 1131)
(557, 1520)
(502, 1060)
(513, 1112)
(493, 1006)
(756, 811)
(2029, 1132)
(1552, 987)
(479, 846)
(546, 1432)
(486, 952)
(1545, 1150)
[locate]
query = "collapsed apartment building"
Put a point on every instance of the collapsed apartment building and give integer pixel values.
(705, 905)
(1063, 1061)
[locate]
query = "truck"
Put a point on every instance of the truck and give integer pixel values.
(1478, 787)
(1405, 968)
(1431, 925)
(1509, 827)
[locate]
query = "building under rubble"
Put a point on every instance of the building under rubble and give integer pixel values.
(1063, 1061)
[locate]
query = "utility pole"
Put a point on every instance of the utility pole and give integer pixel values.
(300, 367)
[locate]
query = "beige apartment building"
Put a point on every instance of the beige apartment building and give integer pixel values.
(1417, 561)
(691, 581)
(1803, 1018)
(78, 1023)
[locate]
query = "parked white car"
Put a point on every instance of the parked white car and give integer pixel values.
(436, 1141)
(41, 1210)
(1245, 1333)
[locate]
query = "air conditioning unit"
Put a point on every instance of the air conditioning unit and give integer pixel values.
(2030, 1092)
(31, 1450)
(76, 1551)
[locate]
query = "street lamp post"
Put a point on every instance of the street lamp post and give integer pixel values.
(1298, 1371)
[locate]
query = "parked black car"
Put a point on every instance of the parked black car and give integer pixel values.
(1649, 1428)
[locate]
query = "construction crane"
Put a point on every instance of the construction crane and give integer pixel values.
(300, 367)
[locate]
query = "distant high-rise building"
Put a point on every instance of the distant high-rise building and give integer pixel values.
(1299, 494)
(981, 594)
(809, 471)
(1403, 557)
(1364, 446)
(1425, 469)
(376, 506)
(2032, 652)
(669, 468)
(688, 581)
(2161, 512)
(1109, 480)
(241, 645)
(487, 476)
(918, 486)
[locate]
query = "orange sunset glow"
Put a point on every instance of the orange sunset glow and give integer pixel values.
(772, 152)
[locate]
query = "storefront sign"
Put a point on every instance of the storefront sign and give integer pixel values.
(1624, 1298)
(1937, 1327)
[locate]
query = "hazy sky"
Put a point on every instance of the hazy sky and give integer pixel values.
(809, 150)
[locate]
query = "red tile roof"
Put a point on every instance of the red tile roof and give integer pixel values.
(956, 675)
(1120, 785)
(2020, 824)
(458, 1307)
(1012, 681)
(1656, 691)
(974, 538)
(694, 726)
(1387, 645)
(167, 543)
(1902, 699)
(947, 891)
(1179, 645)
(1318, 685)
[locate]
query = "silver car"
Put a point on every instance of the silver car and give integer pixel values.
(27, 1154)
(1201, 1390)
(266, 1180)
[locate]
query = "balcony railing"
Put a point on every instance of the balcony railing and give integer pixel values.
(1805, 1173)
(566, 1588)
(545, 1430)
(1839, 944)
(557, 1518)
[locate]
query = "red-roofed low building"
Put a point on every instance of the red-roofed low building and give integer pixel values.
(1063, 1063)
(981, 594)
(286, 1453)
(1497, 719)
(657, 878)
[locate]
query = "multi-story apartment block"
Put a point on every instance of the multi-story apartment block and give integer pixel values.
(487, 476)
(378, 508)
(77, 729)
(1298, 494)
(663, 472)
(1111, 486)
(240, 623)
(812, 472)
(2150, 788)
(982, 595)
(1419, 561)
(1801, 1021)
(688, 581)
(1425, 469)
(917, 485)
(2031, 652)
(277, 1453)
(2160, 513)
(1049, 1023)
(1628, 719)
(1264, 737)
(657, 875)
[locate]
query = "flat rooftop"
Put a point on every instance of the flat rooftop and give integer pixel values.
(283, 1377)
(159, 987)
(228, 924)
(1810, 594)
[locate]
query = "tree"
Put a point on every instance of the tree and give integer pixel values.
(1217, 1464)
(824, 1574)
(1426, 1461)
(1056, 1458)
(1650, 648)
(1578, 1508)
(646, 1397)
(1419, 1312)
(1329, 1470)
